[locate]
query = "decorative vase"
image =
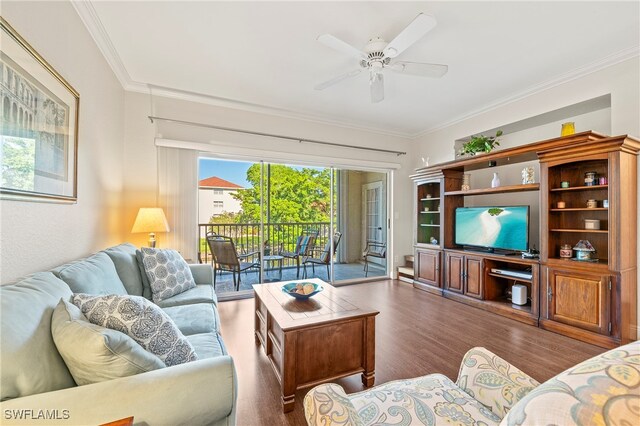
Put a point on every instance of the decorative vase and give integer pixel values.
(568, 129)
(466, 182)
(495, 182)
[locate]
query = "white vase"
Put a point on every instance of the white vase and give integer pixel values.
(495, 182)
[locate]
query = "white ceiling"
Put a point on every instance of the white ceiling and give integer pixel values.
(265, 54)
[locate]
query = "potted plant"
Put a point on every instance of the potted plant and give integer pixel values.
(480, 143)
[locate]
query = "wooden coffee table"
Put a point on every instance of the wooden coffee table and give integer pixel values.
(313, 341)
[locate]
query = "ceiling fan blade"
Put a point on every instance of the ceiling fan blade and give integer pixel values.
(420, 69)
(421, 25)
(341, 46)
(377, 87)
(337, 79)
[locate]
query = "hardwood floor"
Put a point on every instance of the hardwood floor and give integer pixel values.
(417, 333)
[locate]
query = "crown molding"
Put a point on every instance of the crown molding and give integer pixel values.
(90, 18)
(608, 61)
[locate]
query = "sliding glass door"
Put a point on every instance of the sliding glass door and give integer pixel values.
(289, 222)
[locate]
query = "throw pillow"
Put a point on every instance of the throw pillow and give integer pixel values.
(140, 319)
(167, 272)
(94, 353)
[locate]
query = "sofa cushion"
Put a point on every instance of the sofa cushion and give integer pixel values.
(201, 293)
(207, 345)
(94, 275)
(140, 319)
(167, 272)
(30, 362)
(123, 257)
(432, 399)
(94, 353)
(601, 390)
(194, 319)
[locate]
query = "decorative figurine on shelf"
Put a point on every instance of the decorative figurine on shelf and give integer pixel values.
(433, 241)
(495, 182)
(528, 175)
(584, 250)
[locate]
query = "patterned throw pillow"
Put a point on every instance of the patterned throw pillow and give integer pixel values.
(140, 319)
(167, 272)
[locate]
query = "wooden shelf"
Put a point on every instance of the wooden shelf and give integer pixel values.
(498, 190)
(580, 188)
(580, 209)
(511, 278)
(591, 231)
(428, 224)
(429, 199)
(432, 212)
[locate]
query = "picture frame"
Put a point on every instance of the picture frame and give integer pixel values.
(39, 114)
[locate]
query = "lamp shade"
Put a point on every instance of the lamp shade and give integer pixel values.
(150, 219)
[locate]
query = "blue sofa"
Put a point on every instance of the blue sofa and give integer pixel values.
(36, 384)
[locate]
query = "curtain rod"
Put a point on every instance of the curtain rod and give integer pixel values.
(271, 135)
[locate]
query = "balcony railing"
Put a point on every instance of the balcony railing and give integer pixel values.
(246, 237)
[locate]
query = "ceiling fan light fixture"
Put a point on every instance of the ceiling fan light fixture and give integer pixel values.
(391, 52)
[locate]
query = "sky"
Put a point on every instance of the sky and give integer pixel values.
(233, 171)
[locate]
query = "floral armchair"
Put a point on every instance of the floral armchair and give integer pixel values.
(490, 391)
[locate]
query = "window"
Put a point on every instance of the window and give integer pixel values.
(218, 204)
(217, 192)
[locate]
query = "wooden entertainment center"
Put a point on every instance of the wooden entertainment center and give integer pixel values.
(593, 301)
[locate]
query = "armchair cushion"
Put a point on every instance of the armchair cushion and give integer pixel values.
(428, 400)
(493, 381)
(167, 272)
(601, 390)
(94, 353)
(329, 405)
(140, 319)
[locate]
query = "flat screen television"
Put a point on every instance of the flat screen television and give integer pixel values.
(495, 227)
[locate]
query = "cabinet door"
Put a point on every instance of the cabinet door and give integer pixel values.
(579, 299)
(428, 267)
(473, 276)
(455, 272)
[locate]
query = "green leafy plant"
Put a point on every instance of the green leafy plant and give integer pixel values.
(480, 143)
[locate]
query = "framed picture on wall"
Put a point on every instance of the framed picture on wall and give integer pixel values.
(39, 125)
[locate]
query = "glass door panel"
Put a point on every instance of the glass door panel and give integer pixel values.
(229, 222)
(361, 217)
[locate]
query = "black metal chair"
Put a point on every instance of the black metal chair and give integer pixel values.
(376, 249)
(226, 258)
(304, 245)
(324, 256)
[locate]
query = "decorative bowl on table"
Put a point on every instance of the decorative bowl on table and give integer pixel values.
(302, 290)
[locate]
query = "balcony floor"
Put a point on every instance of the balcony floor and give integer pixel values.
(343, 271)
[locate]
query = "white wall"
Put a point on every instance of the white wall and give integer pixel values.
(620, 81)
(37, 236)
(141, 177)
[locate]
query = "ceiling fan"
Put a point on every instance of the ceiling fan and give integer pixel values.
(378, 56)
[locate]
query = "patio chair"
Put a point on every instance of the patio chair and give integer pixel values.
(324, 256)
(226, 258)
(304, 245)
(376, 249)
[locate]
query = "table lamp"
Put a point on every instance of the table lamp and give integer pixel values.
(151, 220)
